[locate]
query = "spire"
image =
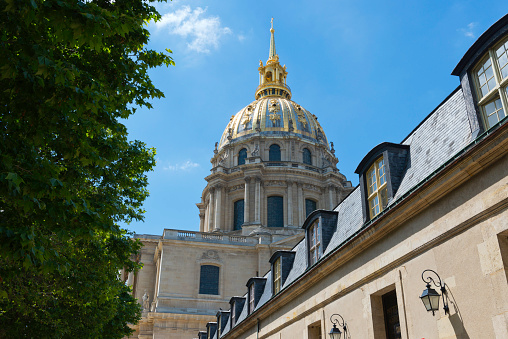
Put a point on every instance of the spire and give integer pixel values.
(273, 54)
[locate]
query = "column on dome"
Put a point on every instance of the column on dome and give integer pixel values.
(246, 201)
(201, 222)
(218, 205)
(301, 204)
(257, 202)
(211, 213)
(330, 197)
(290, 203)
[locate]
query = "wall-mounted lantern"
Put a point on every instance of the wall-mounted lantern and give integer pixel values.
(336, 333)
(430, 296)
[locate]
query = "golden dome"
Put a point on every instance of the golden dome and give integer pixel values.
(273, 116)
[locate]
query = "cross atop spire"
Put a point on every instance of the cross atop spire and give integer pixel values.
(273, 54)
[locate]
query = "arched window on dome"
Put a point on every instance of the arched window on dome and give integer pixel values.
(307, 157)
(274, 153)
(275, 211)
(242, 155)
(238, 214)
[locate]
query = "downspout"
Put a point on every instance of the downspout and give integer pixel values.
(403, 304)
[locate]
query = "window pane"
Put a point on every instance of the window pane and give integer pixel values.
(502, 59)
(371, 181)
(209, 280)
(275, 212)
(494, 112)
(492, 120)
(490, 108)
(492, 83)
(485, 90)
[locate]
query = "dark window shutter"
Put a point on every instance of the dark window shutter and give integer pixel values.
(209, 280)
(275, 212)
(274, 153)
(238, 214)
(242, 155)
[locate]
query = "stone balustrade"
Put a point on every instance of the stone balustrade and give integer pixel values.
(220, 238)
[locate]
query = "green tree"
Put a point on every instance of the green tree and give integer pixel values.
(70, 70)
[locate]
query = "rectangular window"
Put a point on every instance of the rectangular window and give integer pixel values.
(377, 187)
(277, 279)
(251, 298)
(209, 280)
(491, 80)
(314, 242)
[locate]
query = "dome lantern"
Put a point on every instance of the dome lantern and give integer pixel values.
(272, 76)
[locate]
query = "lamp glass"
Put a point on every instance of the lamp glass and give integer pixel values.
(430, 299)
(335, 333)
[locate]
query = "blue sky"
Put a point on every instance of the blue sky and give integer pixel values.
(370, 71)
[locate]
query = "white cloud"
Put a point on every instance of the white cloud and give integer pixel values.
(241, 37)
(468, 31)
(201, 32)
(182, 166)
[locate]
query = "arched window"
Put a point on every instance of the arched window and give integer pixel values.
(310, 206)
(307, 158)
(242, 155)
(274, 153)
(275, 211)
(209, 279)
(238, 215)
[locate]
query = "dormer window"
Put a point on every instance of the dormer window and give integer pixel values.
(236, 307)
(376, 185)
(314, 243)
(491, 81)
(381, 172)
(255, 286)
(282, 262)
(319, 228)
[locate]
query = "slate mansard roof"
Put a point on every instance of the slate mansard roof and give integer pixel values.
(440, 139)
